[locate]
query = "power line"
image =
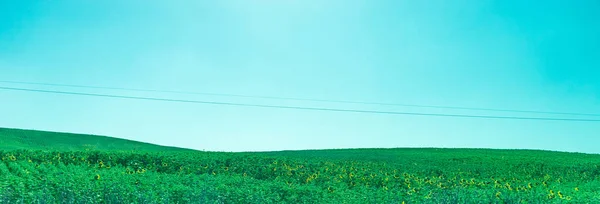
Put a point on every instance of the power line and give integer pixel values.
(305, 99)
(299, 107)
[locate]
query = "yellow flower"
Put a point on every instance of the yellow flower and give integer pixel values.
(551, 194)
(560, 195)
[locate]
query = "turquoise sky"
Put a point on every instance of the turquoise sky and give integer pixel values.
(509, 54)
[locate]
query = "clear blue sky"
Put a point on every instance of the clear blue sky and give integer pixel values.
(510, 54)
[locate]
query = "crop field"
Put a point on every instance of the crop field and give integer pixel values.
(107, 170)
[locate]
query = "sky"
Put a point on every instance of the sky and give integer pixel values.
(503, 54)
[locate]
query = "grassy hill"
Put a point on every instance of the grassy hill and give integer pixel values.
(45, 167)
(12, 139)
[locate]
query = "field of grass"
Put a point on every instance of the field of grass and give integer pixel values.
(12, 139)
(45, 167)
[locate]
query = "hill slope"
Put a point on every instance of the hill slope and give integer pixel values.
(12, 139)
(155, 174)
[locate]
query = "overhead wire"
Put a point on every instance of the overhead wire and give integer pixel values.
(304, 99)
(299, 107)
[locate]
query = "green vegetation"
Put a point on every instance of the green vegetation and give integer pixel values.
(40, 140)
(32, 171)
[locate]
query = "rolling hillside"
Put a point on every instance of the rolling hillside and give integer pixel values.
(12, 139)
(47, 167)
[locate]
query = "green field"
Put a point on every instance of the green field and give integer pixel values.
(46, 167)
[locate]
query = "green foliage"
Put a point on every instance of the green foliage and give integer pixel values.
(318, 176)
(40, 140)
